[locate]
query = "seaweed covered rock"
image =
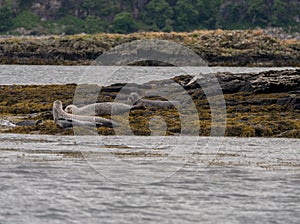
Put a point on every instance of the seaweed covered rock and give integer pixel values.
(217, 47)
(265, 104)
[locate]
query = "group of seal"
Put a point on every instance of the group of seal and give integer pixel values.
(99, 109)
(66, 120)
(89, 115)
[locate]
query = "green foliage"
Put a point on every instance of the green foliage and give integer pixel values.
(98, 7)
(158, 15)
(92, 16)
(27, 20)
(258, 13)
(124, 23)
(72, 24)
(210, 16)
(279, 11)
(93, 24)
(187, 14)
(6, 15)
(24, 4)
(233, 15)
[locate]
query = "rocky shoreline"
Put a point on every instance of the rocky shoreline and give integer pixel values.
(218, 47)
(258, 105)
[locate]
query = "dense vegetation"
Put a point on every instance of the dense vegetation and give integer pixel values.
(126, 16)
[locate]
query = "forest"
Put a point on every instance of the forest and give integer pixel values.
(37, 17)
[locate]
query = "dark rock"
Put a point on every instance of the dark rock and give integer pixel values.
(225, 48)
(264, 82)
(267, 102)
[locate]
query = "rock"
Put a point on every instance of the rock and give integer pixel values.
(227, 48)
(264, 82)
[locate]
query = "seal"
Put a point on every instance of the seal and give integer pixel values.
(9, 124)
(99, 109)
(63, 118)
(137, 101)
(63, 123)
(29, 123)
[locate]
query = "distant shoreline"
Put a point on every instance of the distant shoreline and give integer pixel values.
(252, 48)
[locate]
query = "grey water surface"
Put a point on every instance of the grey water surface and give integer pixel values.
(49, 74)
(59, 179)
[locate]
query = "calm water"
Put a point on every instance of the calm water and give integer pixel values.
(229, 180)
(97, 179)
(24, 74)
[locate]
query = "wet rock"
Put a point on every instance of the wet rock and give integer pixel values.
(264, 82)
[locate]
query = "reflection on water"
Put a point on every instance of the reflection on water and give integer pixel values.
(57, 179)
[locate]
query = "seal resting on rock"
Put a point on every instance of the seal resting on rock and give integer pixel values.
(137, 101)
(63, 119)
(29, 123)
(99, 109)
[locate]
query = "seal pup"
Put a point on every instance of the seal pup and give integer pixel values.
(59, 114)
(137, 101)
(99, 109)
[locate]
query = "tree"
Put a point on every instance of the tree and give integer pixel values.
(93, 24)
(158, 14)
(210, 15)
(279, 9)
(6, 16)
(27, 20)
(233, 13)
(258, 13)
(98, 7)
(24, 4)
(124, 23)
(72, 24)
(186, 14)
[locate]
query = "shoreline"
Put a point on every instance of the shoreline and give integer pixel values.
(217, 47)
(254, 109)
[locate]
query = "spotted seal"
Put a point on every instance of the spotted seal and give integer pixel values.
(99, 109)
(9, 124)
(137, 101)
(63, 118)
(29, 122)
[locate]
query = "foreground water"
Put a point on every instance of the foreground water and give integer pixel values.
(57, 179)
